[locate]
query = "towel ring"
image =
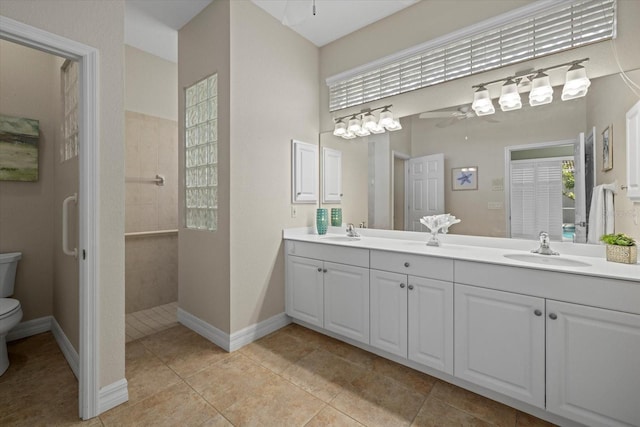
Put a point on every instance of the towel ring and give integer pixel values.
(624, 187)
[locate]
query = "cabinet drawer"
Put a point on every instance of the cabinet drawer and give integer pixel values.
(333, 253)
(415, 265)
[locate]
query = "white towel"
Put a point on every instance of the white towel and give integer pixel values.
(601, 214)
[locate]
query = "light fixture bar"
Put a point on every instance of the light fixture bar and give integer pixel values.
(364, 123)
(530, 73)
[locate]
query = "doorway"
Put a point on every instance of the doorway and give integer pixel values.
(88, 196)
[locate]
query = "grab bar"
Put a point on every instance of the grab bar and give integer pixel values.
(158, 180)
(65, 226)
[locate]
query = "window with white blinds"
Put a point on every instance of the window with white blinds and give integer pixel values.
(559, 26)
(536, 198)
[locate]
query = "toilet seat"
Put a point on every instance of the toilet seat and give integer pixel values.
(8, 306)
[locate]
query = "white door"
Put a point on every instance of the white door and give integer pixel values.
(304, 289)
(425, 189)
(346, 301)
(430, 305)
(389, 312)
(499, 342)
(593, 365)
(579, 154)
(589, 171)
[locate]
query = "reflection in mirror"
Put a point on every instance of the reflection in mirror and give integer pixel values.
(374, 166)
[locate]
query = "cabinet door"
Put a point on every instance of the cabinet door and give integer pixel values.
(500, 343)
(346, 300)
(331, 175)
(304, 289)
(593, 365)
(304, 172)
(430, 305)
(389, 312)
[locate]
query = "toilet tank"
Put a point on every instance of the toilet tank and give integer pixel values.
(8, 265)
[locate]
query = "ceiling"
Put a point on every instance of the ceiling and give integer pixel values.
(152, 25)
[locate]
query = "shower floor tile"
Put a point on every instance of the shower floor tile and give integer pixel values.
(147, 322)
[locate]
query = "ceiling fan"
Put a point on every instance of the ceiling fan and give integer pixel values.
(451, 117)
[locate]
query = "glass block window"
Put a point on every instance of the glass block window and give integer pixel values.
(201, 154)
(69, 145)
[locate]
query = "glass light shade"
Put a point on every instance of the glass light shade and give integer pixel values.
(369, 122)
(394, 126)
(386, 118)
(340, 128)
(378, 129)
(510, 98)
(354, 124)
(576, 83)
(363, 132)
(349, 135)
(541, 90)
(482, 104)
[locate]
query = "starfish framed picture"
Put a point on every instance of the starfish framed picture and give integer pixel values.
(465, 178)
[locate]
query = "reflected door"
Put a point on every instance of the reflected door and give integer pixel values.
(579, 163)
(425, 189)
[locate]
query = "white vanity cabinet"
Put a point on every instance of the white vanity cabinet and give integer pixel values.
(412, 316)
(500, 342)
(329, 294)
(593, 364)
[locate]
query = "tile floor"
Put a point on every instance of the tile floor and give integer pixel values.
(293, 377)
(147, 322)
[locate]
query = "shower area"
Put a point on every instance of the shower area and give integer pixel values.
(151, 184)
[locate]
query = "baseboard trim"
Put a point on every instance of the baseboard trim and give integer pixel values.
(30, 328)
(67, 349)
(255, 332)
(113, 395)
(238, 339)
(199, 326)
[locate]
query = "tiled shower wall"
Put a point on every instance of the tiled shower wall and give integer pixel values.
(151, 264)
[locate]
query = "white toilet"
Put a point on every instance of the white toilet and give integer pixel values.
(10, 310)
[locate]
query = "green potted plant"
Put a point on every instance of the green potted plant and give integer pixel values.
(621, 248)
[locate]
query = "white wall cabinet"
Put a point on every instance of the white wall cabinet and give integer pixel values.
(593, 364)
(331, 175)
(500, 342)
(304, 172)
(346, 300)
(633, 153)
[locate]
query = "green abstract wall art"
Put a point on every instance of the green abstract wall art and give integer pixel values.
(19, 139)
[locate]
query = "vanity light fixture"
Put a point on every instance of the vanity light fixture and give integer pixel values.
(539, 85)
(365, 123)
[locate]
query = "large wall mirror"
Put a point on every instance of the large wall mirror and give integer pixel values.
(375, 182)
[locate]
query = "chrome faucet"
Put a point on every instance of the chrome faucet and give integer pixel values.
(544, 248)
(351, 231)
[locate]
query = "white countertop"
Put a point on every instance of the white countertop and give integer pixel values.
(476, 249)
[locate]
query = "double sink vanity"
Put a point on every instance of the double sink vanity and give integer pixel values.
(554, 336)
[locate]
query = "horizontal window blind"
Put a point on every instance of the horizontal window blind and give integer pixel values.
(554, 29)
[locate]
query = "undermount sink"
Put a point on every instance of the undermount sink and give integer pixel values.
(547, 260)
(340, 238)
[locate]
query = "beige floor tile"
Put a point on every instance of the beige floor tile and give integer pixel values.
(322, 374)
(331, 417)
(436, 413)
(217, 421)
(185, 355)
(474, 404)
(377, 400)
(351, 353)
(176, 405)
(231, 380)
(146, 374)
(280, 403)
(306, 335)
(277, 351)
(526, 420)
(413, 379)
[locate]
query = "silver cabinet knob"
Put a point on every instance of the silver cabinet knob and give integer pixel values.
(410, 287)
(537, 313)
(402, 285)
(406, 264)
(553, 316)
(319, 270)
(324, 271)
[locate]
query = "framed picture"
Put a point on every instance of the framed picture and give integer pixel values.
(19, 139)
(607, 149)
(465, 178)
